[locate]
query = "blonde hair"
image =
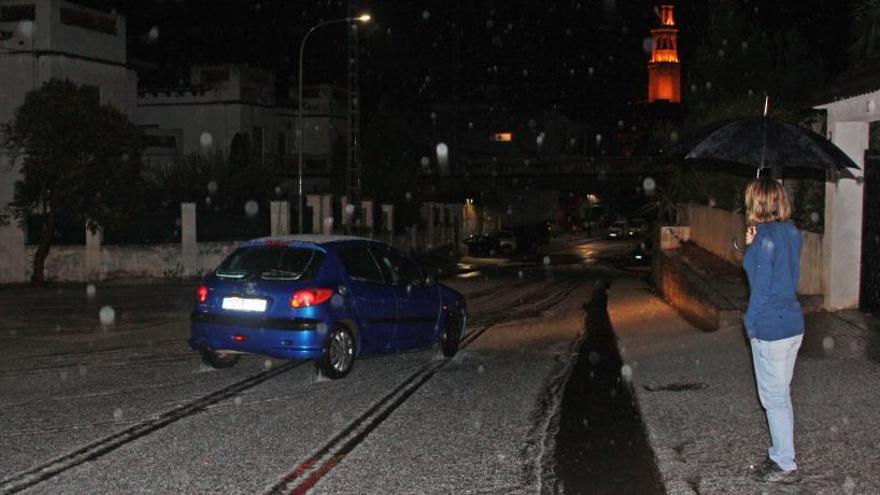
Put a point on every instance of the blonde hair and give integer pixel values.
(766, 201)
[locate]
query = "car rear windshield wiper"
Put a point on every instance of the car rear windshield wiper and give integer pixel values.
(231, 273)
(280, 275)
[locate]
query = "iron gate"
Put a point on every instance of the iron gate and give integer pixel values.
(869, 293)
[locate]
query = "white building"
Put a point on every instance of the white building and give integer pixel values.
(229, 106)
(45, 39)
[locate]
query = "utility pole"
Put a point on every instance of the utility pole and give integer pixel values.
(353, 155)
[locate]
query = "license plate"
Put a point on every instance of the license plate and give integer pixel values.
(244, 304)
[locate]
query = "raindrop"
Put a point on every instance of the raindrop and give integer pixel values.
(648, 45)
(322, 327)
(90, 290)
(520, 274)
(720, 53)
(425, 161)
(546, 261)
(814, 217)
(490, 24)
(107, 315)
(593, 357)
(673, 136)
(620, 124)
(470, 125)
(117, 414)
(480, 369)
(349, 209)
(337, 301)
(237, 401)
(83, 370)
(426, 15)
(598, 139)
(251, 208)
(708, 85)
(408, 196)
(693, 88)
(626, 372)
(153, 35)
(590, 71)
(63, 376)
(533, 123)
(525, 73)
(26, 28)
(278, 190)
(745, 45)
(427, 79)
(328, 221)
(267, 363)
(540, 139)
(212, 187)
(828, 343)
(649, 185)
(206, 139)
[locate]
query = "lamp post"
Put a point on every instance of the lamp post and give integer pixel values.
(302, 46)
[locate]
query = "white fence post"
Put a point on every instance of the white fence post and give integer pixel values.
(188, 243)
(13, 260)
(279, 212)
(93, 254)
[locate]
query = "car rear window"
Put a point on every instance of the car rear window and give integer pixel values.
(271, 263)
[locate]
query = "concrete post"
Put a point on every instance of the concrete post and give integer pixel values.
(347, 211)
(189, 247)
(279, 212)
(367, 208)
(314, 202)
(388, 217)
(13, 260)
(842, 241)
(93, 254)
(327, 219)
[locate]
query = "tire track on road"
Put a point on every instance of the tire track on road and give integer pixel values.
(309, 472)
(98, 448)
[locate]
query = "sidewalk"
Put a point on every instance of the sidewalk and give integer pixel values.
(697, 397)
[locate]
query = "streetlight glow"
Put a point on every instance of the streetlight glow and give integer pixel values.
(299, 137)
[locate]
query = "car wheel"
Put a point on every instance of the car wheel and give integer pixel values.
(338, 357)
(450, 337)
(219, 360)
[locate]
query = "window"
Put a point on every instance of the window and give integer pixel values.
(160, 141)
(272, 263)
(360, 264)
(213, 76)
(16, 13)
(88, 20)
(400, 269)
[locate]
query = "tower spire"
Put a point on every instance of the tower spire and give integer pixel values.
(664, 68)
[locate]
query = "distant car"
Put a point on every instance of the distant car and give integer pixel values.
(635, 227)
(506, 241)
(617, 230)
(643, 251)
(329, 299)
(482, 245)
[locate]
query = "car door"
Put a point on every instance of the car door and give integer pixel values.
(418, 305)
(375, 299)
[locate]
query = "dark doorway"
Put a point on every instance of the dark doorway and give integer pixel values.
(869, 293)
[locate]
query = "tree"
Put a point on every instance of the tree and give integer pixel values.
(77, 157)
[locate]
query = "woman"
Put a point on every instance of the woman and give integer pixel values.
(774, 320)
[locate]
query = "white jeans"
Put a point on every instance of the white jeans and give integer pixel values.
(774, 366)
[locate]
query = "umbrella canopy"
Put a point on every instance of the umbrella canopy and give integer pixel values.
(765, 142)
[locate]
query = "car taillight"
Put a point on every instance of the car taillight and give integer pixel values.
(310, 297)
(202, 293)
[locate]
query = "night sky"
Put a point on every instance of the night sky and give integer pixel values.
(585, 59)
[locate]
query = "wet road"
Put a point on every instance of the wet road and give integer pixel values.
(125, 407)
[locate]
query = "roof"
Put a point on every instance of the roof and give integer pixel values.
(862, 79)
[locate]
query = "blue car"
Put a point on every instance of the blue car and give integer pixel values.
(324, 298)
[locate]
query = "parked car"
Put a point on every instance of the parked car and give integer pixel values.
(643, 251)
(330, 299)
(635, 227)
(506, 241)
(482, 245)
(616, 230)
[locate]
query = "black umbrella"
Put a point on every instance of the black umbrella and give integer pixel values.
(765, 142)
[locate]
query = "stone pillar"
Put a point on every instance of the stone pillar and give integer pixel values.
(279, 212)
(189, 247)
(93, 254)
(347, 210)
(842, 241)
(367, 216)
(13, 260)
(314, 202)
(327, 219)
(388, 218)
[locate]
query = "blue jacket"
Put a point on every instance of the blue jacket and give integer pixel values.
(772, 263)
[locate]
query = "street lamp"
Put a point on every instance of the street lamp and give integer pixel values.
(300, 206)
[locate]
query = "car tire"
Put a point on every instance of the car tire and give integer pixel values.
(450, 336)
(339, 353)
(219, 360)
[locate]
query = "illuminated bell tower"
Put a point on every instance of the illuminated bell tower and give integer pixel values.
(664, 69)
